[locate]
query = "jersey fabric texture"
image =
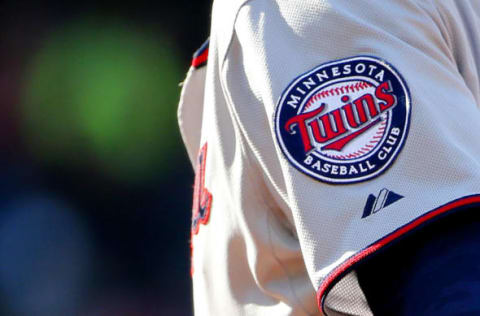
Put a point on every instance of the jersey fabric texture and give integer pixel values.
(278, 233)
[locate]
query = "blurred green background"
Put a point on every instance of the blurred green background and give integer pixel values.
(95, 190)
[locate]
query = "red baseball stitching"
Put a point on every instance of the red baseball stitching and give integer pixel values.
(337, 91)
(366, 148)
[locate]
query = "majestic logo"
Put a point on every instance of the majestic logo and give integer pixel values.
(344, 121)
(384, 199)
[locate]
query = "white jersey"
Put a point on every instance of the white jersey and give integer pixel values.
(322, 131)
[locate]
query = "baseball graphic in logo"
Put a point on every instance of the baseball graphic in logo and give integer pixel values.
(344, 121)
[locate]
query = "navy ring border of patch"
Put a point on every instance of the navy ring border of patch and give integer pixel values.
(385, 166)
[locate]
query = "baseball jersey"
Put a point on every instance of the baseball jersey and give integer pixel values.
(321, 132)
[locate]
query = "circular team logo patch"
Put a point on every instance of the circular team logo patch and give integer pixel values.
(344, 121)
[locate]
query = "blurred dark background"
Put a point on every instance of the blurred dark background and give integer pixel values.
(95, 185)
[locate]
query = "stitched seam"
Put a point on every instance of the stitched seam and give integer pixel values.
(284, 268)
(249, 163)
(251, 166)
(229, 102)
(444, 32)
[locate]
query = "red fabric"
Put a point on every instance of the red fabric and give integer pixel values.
(200, 59)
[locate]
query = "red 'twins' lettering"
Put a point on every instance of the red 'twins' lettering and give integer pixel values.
(311, 124)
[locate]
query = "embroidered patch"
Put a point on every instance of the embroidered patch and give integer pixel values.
(344, 121)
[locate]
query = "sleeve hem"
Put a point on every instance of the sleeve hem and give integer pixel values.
(348, 265)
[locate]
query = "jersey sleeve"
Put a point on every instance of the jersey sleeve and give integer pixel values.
(363, 119)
